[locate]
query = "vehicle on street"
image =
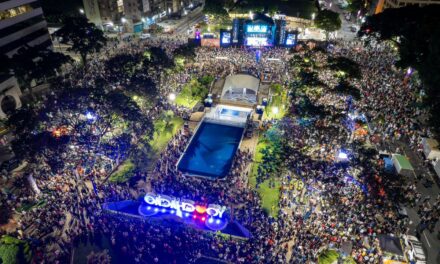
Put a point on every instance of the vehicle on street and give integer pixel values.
(145, 36)
(415, 249)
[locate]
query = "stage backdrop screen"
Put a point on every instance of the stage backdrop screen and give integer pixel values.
(290, 39)
(256, 29)
(225, 38)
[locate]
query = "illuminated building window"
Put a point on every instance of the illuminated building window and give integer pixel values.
(16, 11)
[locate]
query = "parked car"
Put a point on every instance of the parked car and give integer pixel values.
(145, 36)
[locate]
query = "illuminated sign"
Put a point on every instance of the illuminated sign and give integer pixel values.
(183, 205)
(226, 38)
(291, 40)
(256, 29)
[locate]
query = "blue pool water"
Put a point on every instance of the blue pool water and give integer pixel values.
(211, 150)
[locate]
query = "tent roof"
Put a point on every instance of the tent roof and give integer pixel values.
(403, 162)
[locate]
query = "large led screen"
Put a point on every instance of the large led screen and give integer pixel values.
(256, 29)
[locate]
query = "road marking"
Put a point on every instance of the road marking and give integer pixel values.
(427, 241)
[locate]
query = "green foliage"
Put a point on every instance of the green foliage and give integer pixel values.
(13, 250)
(123, 173)
(191, 93)
(215, 9)
(5, 213)
(415, 32)
(345, 65)
(83, 36)
(328, 257)
(328, 21)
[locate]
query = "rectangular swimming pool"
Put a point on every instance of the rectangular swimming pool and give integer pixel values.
(211, 150)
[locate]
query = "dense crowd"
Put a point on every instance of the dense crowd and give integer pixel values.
(324, 202)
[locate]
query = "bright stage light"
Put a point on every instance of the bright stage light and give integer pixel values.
(90, 116)
(164, 210)
(195, 216)
(149, 208)
(172, 96)
(186, 214)
(156, 209)
(203, 219)
(217, 221)
(342, 155)
(275, 110)
(172, 211)
(210, 220)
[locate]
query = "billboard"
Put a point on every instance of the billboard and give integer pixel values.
(257, 29)
(225, 38)
(291, 39)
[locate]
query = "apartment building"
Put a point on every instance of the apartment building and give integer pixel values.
(22, 23)
(383, 4)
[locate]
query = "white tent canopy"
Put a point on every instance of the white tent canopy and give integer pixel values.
(241, 88)
(431, 148)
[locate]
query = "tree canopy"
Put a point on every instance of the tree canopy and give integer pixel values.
(415, 32)
(83, 36)
(328, 21)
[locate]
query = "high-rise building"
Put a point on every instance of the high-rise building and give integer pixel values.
(383, 4)
(22, 23)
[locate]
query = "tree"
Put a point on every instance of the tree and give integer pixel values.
(83, 36)
(414, 30)
(36, 63)
(5, 66)
(215, 9)
(344, 65)
(328, 21)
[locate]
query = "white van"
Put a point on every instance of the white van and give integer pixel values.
(145, 36)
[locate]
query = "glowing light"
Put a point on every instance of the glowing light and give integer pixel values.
(409, 71)
(203, 219)
(313, 16)
(156, 209)
(149, 208)
(186, 214)
(210, 220)
(163, 210)
(195, 216)
(217, 221)
(90, 116)
(143, 20)
(275, 110)
(200, 209)
(342, 155)
(123, 20)
(172, 211)
(172, 96)
(81, 11)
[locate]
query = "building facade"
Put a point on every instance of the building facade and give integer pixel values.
(383, 4)
(130, 15)
(22, 23)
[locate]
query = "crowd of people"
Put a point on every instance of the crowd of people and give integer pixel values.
(324, 203)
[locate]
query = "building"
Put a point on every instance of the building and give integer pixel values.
(383, 4)
(130, 15)
(22, 23)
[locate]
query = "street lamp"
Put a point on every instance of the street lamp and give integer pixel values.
(81, 11)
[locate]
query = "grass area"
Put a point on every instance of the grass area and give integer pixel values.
(163, 134)
(185, 101)
(164, 129)
(123, 173)
(277, 107)
(269, 196)
(328, 257)
(28, 206)
(13, 250)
